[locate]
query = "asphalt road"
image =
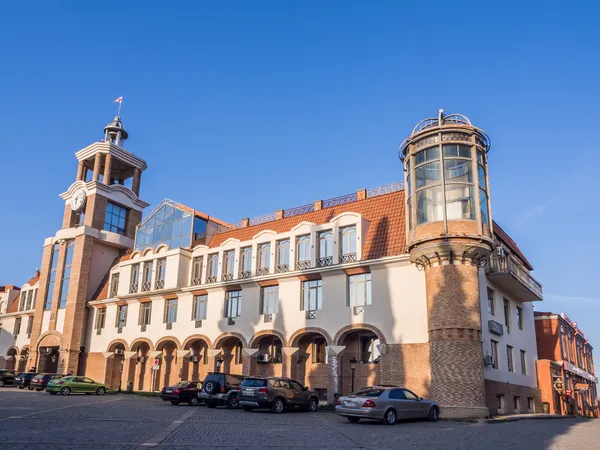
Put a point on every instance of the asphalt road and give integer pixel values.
(35, 420)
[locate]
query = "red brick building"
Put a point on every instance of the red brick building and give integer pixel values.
(565, 366)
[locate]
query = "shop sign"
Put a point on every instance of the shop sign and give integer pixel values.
(495, 328)
(581, 387)
(578, 371)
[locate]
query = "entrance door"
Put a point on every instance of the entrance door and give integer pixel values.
(48, 360)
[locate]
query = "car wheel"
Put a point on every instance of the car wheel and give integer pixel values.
(174, 402)
(353, 419)
(100, 391)
(247, 408)
(312, 405)
(211, 404)
(433, 414)
(193, 401)
(390, 417)
(65, 391)
(1, 383)
(278, 406)
(232, 402)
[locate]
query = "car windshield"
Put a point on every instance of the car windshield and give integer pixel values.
(181, 384)
(38, 377)
(254, 382)
(368, 392)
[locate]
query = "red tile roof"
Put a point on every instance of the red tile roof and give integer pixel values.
(386, 235)
(14, 306)
(102, 291)
(512, 245)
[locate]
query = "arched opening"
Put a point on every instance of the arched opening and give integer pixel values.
(139, 367)
(362, 346)
(269, 358)
(114, 365)
(309, 364)
(11, 358)
(48, 354)
(196, 365)
(23, 357)
(231, 356)
(168, 371)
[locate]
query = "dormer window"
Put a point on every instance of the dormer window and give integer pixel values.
(228, 265)
(283, 255)
(325, 249)
(348, 244)
(303, 252)
(212, 268)
(264, 258)
(245, 262)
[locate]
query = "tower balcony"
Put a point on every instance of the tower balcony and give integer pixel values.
(513, 277)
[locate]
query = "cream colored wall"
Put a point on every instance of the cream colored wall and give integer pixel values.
(60, 320)
(518, 339)
(103, 257)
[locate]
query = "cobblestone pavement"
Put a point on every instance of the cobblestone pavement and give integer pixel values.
(35, 420)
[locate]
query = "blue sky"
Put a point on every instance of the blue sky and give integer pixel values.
(242, 108)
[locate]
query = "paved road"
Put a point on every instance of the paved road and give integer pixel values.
(35, 420)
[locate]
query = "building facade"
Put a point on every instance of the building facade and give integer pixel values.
(566, 373)
(413, 280)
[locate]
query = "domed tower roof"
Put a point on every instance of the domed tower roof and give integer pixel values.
(114, 127)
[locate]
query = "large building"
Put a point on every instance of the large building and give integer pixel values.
(414, 281)
(565, 367)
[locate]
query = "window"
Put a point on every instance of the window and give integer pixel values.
(509, 358)
(228, 265)
(491, 303)
(507, 314)
(100, 318)
(318, 350)
(114, 284)
(530, 404)
(283, 256)
(168, 225)
(30, 299)
(311, 295)
(147, 276)
(494, 349)
(196, 270)
(325, 249)
(199, 307)
(23, 299)
(368, 350)
(245, 262)
(135, 279)
(563, 343)
(213, 268)
(170, 311)
(121, 316)
(29, 326)
(145, 314)
(428, 180)
(269, 299)
(520, 317)
(161, 270)
(359, 290)
(409, 395)
(570, 346)
(66, 275)
(523, 362)
(458, 177)
(264, 258)
(233, 304)
(49, 298)
(115, 219)
(238, 356)
(17, 328)
(517, 403)
(303, 252)
(483, 197)
(500, 402)
(348, 244)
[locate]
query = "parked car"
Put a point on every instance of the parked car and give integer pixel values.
(24, 380)
(221, 389)
(386, 404)
(76, 385)
(8, 377)
(40, 381)
(182, 392)
(277, 394)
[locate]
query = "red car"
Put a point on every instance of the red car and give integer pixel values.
(182, 392)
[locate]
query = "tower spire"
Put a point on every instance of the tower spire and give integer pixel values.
(115, 132)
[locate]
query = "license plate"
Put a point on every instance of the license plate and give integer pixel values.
(248, 391)
(168, 391)
(352, 404)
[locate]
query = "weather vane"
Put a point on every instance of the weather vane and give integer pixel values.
(119, 101)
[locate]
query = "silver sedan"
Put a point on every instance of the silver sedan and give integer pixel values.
(387, 404)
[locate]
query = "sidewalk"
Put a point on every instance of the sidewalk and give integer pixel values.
(517, 417)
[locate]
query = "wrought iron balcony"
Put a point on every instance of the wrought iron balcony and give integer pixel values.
(113, 291)
(244, 274)
(196, 281)
(198, 324)
(231, 321)
(146, 286)
(347, 257)
(325, 261)
(169, 325)
(160, 284)
(358, 310)
(211, 279)
(227, 277)
(281, 268)
(268, 318)
(303, 265)
(133, 288)
(119, 329)
(311, 314)
(262, 271)
(515, 278)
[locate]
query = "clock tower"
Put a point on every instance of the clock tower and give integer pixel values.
(102, 210)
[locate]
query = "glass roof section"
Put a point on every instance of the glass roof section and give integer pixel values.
(167, 224)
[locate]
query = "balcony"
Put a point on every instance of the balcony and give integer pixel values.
(512, 276)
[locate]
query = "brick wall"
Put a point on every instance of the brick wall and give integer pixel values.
(547, 334)
(495, 388)
(407, 365)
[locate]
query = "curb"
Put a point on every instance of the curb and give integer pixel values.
(517, 419)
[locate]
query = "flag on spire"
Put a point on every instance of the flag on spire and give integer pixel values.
(119, 100)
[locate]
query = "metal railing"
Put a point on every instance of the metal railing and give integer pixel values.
(227, 276)
(160, 284)
(347, 257)
(146, 286)
(325, 261)
(268, 318)
(509, 264)
(262, 271)
(231, 321)
(303, 265)
(311, 314)
(119, 330)
(340, 200)
(244, 274)
(358, 310)
(281, 268)
(198, 324)
(211, 279)
(133, 288)
(169, 325)
(196, 281)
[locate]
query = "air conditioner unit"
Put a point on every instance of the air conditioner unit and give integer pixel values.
(194, 358)
(264, 358)
(119, 351)
(500, 251)
(489, 360)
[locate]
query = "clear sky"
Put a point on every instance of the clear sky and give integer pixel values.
(242, 108)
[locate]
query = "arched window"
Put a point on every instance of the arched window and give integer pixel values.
(245, 262)
(283, 256)
(303, 252)
(264, 258)
(212, 268)
(228, 265)
(325, 249)
(348, 244)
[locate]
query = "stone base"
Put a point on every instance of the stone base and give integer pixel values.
(509, 391)
(463, 412)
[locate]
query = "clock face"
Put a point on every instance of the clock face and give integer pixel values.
(78, 200)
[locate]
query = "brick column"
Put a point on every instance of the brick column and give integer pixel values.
(135, 184)
(335, 371)
(249, 361)
(97, 164)
(288, 361)
(81, 171)
(127, 365)
(107, 168)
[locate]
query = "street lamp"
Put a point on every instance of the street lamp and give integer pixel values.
(353, 363)
(219, 363)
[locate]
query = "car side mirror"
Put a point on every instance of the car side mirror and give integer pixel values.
(419, 398)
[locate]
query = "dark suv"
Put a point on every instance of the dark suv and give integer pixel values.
(221, 389)
(24, 380)
(277, 394)
(8, 377)
(40, 381)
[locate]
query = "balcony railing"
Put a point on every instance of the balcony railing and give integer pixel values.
(347, 257)
(133, 288)
(160, 284)
(281, 268)
(211, 280)
(509, 265)
(196, 281)
(303, 265)
(244, 274)
(325, 261)
(227, 277)
(262, 271)
(311, 314)
(146, 286)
